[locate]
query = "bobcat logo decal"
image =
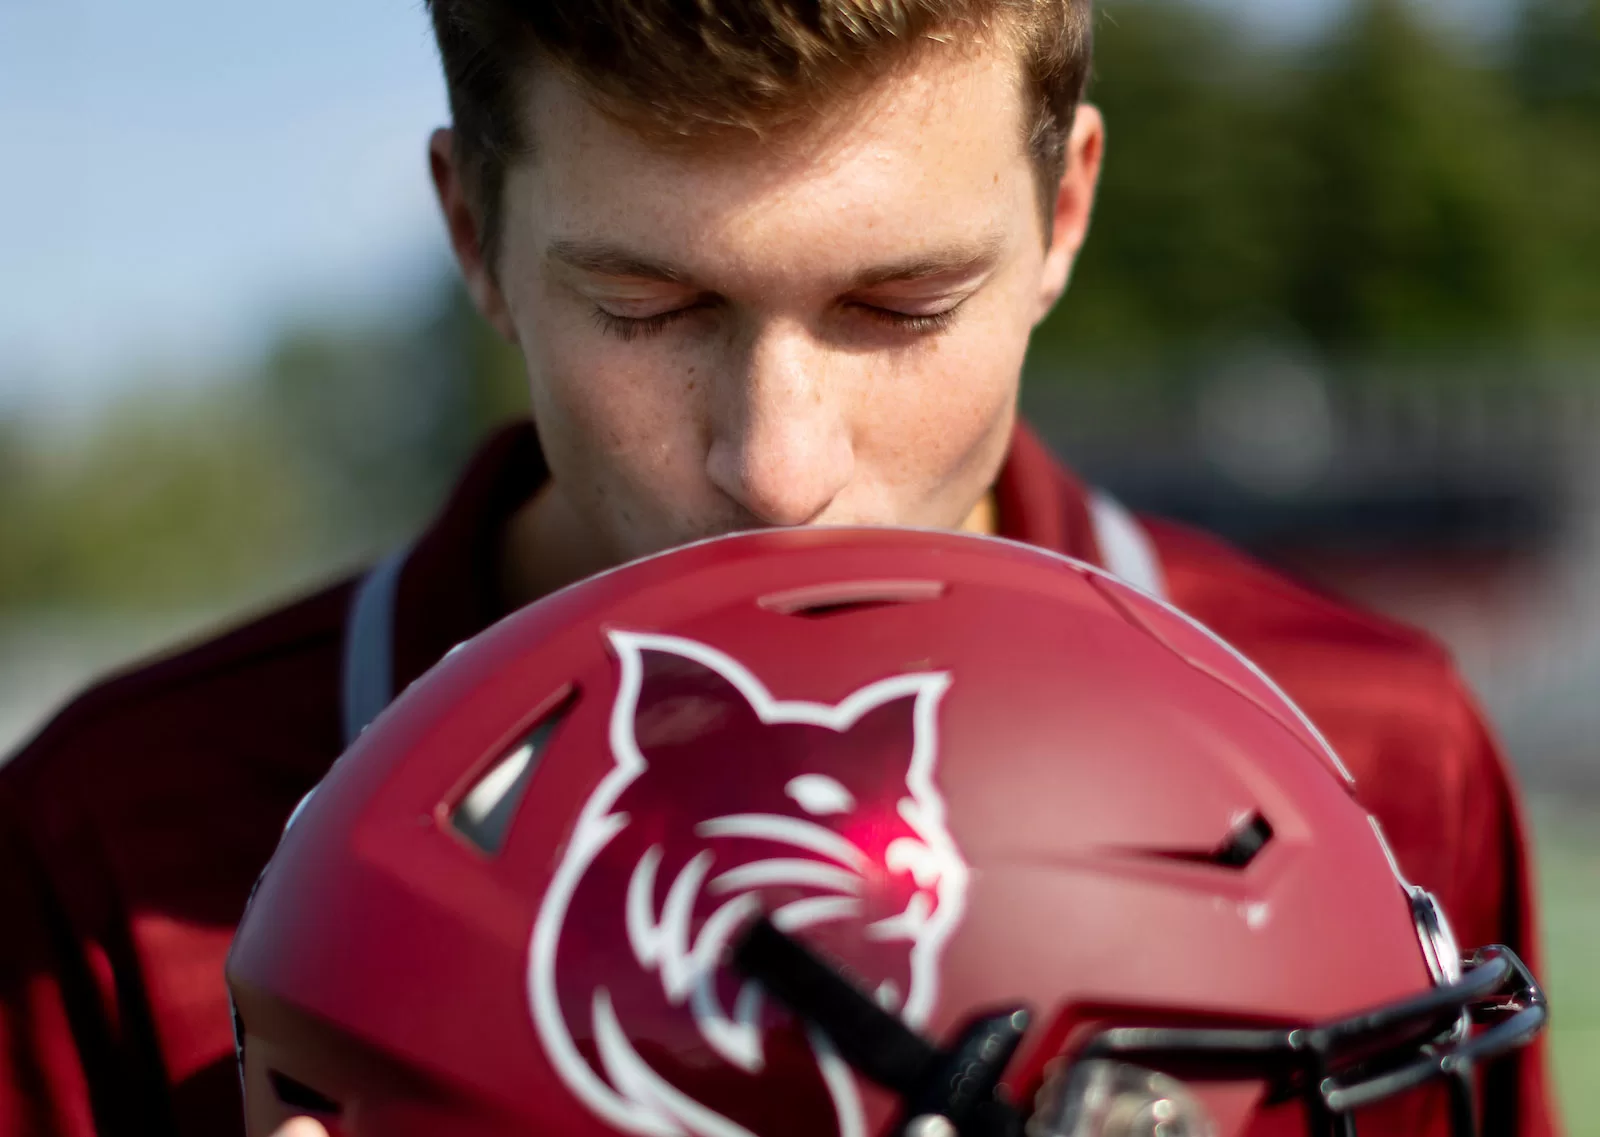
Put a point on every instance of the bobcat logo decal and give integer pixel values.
(725, 801)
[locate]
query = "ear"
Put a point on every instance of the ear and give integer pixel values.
(462, 224)
(1074, 205)
(671, 690)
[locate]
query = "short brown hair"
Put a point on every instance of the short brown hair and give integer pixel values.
(688, 67)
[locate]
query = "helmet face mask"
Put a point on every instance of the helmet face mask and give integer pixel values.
(1066, 865)
(1101, 1098)
(1133, 1081)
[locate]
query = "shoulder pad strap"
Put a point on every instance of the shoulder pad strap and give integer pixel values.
(368, 673)
(1125, 547)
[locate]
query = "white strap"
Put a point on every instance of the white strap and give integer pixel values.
(368, 680)
(1125, 547)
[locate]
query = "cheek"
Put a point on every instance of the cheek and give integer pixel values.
(631, 408)
(937, 409)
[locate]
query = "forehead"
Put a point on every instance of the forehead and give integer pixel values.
(933, 150)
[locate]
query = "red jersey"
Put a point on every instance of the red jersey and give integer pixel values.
(134, 825)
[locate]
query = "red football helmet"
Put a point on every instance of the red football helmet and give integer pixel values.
(838, 833)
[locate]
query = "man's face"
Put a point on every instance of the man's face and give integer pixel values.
(828, 327)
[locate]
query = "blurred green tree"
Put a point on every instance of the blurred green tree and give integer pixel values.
(1555, 72)
(1368, 192)
(1413, 224)
(176, 500)
(383, 416)
(337, 446)
(1188, 236)
(1555, 57)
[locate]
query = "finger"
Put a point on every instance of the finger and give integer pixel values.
(301, 1127)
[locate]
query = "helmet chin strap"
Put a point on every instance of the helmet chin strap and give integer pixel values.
(945, 1093)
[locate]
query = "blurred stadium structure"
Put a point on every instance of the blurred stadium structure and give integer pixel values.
(1341, 305)
(1471, 509)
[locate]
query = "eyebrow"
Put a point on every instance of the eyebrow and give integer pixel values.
(612, 260)
(957, 261)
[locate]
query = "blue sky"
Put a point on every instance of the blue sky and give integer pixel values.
(183, 176)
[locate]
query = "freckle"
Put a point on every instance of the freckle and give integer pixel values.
(997, 179)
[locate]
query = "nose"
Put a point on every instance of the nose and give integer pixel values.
(781, 443)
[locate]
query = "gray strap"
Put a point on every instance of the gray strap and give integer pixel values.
(368, 679)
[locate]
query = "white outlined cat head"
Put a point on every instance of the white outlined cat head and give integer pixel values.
(725, 801)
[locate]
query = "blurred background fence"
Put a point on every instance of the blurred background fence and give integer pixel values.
(1341, 305)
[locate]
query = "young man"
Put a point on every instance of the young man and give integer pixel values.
(770, 263)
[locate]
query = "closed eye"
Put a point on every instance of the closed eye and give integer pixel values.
(919, 322)
(820, 795)
(628, 328)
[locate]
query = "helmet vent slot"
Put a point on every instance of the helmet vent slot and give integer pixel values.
(822, 601)
(1243, 844)
(300, 1097)
(1238, 849)
(483, 814)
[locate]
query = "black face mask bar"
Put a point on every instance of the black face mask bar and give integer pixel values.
(1334, 1069)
